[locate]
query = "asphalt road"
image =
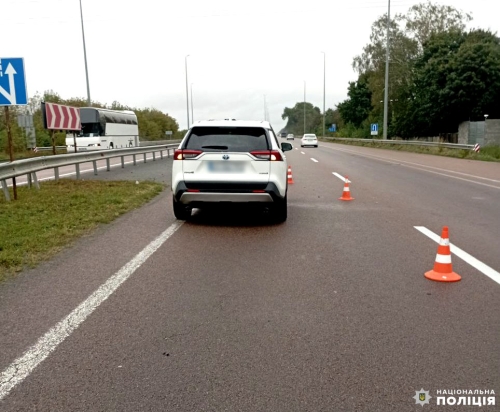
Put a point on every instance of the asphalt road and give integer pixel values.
(329, 311)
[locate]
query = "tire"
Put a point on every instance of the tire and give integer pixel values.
(280, 210)
(181, 211)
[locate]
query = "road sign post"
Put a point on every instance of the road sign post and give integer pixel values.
(333, 128)
(374, 129)
(169, 134)
(11, 149)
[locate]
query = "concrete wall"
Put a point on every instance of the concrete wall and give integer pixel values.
(492, 132)
(463, 133)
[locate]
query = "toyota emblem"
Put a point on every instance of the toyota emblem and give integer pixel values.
(225, 157)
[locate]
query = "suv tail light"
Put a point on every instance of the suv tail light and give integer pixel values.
(184, 154)
(272, 155)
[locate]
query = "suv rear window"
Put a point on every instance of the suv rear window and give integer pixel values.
(232, 139)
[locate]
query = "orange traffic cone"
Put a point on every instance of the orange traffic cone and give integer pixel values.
(346, 194)
(290, 178)
(443, 271)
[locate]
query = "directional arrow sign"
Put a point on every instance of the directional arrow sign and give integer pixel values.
(12, 82)
(60, 117)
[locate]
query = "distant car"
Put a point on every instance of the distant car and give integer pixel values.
(283, 134)
(290, 136)
(309, 140)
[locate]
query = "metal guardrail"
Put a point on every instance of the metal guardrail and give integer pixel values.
(30, 166)
(158, 142)
(143, 143)
(48, 149)
(405, 142)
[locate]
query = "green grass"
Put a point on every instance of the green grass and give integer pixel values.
(42, 222)
(489, 153)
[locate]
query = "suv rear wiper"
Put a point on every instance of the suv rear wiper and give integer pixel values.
(215, 147)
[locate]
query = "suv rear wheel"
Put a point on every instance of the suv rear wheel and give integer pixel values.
(181, 212)
(280, 210)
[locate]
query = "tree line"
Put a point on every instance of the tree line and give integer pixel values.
(153, 123)
(440, 75)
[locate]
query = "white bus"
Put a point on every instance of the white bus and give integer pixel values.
(104, 129)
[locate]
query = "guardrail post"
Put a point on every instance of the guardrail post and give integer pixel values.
(154, 156)
(29, 180)
(135, 160)
(77, 167)
(95, 167)
(144, 157)
(161, 154)
(123, 161)
(36, 181)
(108, 168)
(5, 190)
(56, 173)
(168, 152)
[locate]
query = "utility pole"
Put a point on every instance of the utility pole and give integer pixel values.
(386, 91)
(304, 107)
(324, 90)
(187, 90)
(85, 58)
(192, 112)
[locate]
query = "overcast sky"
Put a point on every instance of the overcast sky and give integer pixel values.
(239, 50)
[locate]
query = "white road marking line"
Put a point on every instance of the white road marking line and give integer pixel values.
(302, 152)
(27, 362)
(421, 167)
(81, 171)
(341, 177)
(314, 160)
(471, 260)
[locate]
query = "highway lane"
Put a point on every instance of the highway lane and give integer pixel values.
(329, 311)
(426, 195)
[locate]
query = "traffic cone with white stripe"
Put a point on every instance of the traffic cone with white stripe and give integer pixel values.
(290, 177)
(443, 271)
(346, 194)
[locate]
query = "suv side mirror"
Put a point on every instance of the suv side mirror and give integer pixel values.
(286, 146)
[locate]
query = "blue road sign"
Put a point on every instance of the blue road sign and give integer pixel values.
(374, 128)
(12, 82)
(332, 128)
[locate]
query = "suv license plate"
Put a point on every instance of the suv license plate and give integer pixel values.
(225, 167)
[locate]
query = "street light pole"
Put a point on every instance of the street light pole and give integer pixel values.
(187, 90)
(85, 57)
(304, 107)
(324, 90)
(192, 113)
(386, 91)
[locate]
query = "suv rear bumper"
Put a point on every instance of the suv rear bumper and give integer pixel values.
(209, 193)
(189, 197)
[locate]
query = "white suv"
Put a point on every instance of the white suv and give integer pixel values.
(230, 161)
